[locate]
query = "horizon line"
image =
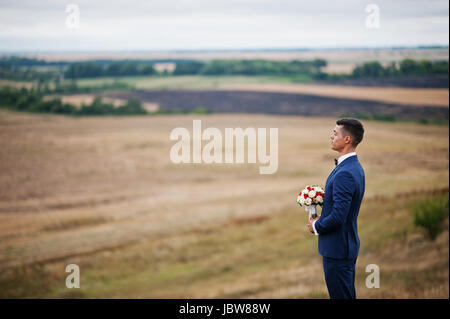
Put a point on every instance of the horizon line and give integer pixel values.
(227, 50)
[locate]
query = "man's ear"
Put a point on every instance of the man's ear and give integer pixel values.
(348, 139)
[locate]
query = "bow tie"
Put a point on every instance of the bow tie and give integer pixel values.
(335, 162)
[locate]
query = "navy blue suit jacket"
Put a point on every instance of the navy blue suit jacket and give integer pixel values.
(337, 226)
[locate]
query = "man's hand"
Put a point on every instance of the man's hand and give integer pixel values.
(311, 221)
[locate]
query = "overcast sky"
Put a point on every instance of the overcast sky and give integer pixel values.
(131, 25)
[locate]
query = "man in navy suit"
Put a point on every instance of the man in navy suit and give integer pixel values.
(337, 225)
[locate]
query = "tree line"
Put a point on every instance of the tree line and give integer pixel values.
(312, 68)
(214, 67)
(17, 68)
(29, 69)
(34, 101)
(405, 67)
(250, 67)
(118, 68)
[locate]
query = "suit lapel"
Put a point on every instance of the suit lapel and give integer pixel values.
(331, 175)
(345, 162)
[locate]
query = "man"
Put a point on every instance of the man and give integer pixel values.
(337, 225)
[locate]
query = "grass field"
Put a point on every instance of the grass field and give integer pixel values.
(79, 99)
(297, 84)
(190, 81)
(103, 194)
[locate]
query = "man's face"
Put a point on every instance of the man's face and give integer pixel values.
(337, 138)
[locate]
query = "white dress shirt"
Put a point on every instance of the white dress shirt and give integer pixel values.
(340, 160)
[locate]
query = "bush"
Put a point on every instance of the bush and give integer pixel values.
(371, 117)
(252, 67)
(406, 67)
(383, 117)
(31, 101)
(430, 214)
(426, 121)
(369, 69)
(189, 67)
(97, 107)
(116, 68)
(133, 107)
(201, 110)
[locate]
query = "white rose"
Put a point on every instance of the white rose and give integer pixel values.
(319, 199)
(305, 191)
(312, 194)
(308, 201)
(301, 200)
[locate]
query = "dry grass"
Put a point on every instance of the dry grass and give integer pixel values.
(16, 84)
(102, 193)
(76, 99)
(79, 99)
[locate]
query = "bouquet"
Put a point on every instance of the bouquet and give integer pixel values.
(310, 197)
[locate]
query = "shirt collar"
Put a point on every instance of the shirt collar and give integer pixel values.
(345, 156)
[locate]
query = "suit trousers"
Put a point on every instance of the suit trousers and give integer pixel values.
(340, 277)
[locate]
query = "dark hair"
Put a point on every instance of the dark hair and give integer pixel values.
(354, 128)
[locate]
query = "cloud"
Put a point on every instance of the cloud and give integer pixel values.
(180, 24)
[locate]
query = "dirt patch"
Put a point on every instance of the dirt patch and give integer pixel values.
(398, 95)
(432, 81)
(228, 101)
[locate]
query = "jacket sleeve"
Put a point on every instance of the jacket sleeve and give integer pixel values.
(344, 187)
